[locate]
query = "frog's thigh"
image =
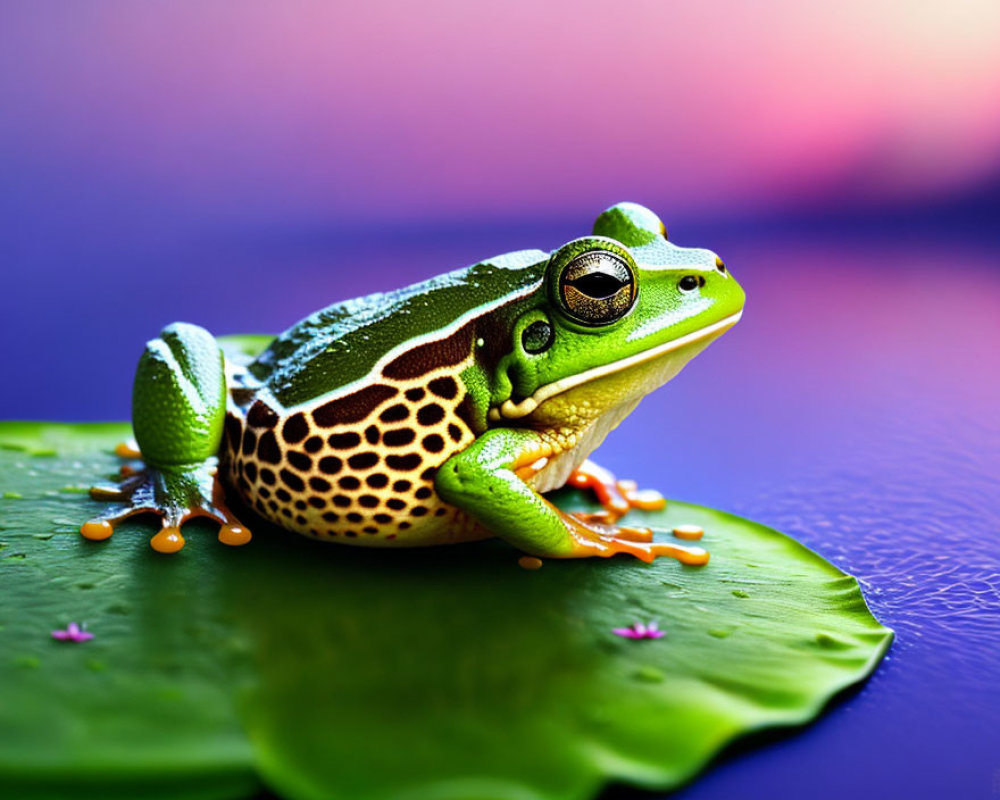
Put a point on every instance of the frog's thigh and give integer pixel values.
(481, 481)
(179, 397)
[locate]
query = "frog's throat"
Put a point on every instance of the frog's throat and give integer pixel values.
(511, 410)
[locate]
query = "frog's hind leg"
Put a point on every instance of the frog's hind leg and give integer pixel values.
(178, 407)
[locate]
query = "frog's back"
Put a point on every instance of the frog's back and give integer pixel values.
(346, 343)
(359, 404)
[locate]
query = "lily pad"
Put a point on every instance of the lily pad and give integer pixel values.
(324, 671)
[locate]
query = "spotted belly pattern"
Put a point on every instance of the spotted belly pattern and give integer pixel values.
(359, 469)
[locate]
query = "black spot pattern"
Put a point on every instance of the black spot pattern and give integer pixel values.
(408, 462)
(344, 441)
(363, 460)
(331, 465)
(399, 437)
(292, 481)
(267, 448)
(430, 414)
(395, 413)
(445, 388)
(433, 443)
(295, 428)
(233, 431)
(350, 472)
(261, 415)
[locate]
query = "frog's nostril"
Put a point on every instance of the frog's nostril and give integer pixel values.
(690, 282)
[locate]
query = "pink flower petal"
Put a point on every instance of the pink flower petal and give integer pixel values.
(639, 630)
(73, 633)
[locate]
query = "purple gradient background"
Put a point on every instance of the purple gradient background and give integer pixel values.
(239, 165)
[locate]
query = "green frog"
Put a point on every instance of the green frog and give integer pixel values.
(437, 413)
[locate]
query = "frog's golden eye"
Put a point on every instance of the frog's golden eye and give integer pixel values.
(597, 287)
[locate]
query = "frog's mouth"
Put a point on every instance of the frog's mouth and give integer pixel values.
(511, 410)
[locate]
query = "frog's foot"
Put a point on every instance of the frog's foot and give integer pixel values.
(176, 494)
(606, 519)
(590, 536)
(617, 497)
(128, 449)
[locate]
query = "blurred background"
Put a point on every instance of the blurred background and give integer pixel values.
(239, 165)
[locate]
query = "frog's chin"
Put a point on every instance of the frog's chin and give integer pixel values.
(625, 380)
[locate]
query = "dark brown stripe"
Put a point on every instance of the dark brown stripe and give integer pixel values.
(354, 407)
(433, 355)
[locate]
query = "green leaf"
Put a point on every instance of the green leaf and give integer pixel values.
(328, 671)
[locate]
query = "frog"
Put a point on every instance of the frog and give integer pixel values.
(439, 413)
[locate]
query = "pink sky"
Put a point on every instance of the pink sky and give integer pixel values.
(417, 110)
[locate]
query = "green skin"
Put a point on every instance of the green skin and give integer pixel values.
(543, 382)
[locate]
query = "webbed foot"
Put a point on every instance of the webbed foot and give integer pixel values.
(176, 494)
(617, 497)
(592, 536)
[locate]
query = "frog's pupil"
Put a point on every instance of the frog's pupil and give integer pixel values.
(596, 284)
(688, 283)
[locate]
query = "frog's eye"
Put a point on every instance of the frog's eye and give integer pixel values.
(597, 287)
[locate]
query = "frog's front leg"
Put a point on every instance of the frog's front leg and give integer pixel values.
(482, 480)
(178, 409)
